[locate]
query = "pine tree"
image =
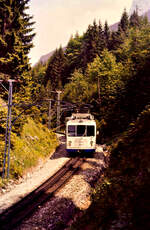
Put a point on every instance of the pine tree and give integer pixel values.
(124, 22)
(116, 39)
(134, 19)
(37, 73)
(89, 45)
(72, 54)
(107, 35)
(101, 40)
(55, 72)
(15, 37)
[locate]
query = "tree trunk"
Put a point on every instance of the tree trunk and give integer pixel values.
(98, 89)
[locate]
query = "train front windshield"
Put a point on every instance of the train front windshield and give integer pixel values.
(81, 130)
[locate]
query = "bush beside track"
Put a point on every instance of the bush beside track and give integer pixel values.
(34, 143)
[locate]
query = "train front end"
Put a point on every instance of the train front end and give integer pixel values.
(81, 133)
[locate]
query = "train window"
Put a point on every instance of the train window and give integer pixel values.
(71, 130)
(90, 130)
(81, 130)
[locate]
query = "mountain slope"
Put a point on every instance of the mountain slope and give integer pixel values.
(44, 58)
(141, 5)
(114, 27)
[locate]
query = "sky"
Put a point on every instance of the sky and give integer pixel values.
(57, 20)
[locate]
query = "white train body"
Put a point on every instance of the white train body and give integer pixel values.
(81, 133)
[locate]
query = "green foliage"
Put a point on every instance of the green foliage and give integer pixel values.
(77, 91)
(134, 137)
(106, 72)
(35, 143)
(116, 81)
(92, 44)
(107, 35)
(15, 37)
(16, 34)
(2, 145)
(55, 72)
(72, 53)
(3, 115)
(135, 19)
(3, 182)
(37, 74)
(133, 95)
(124, 22)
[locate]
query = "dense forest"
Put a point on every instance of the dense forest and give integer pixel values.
(109, 70)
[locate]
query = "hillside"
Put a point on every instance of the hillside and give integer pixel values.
(114, 27)
(44, 58)
(141, 5)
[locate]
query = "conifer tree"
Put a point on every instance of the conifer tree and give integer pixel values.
(116, 39)
(55, 72)
(89, 45)
(124, 22)
(37, 73)
(72, 53)
(15, 37)
(107, 34)
(134, 19)
(101, 40)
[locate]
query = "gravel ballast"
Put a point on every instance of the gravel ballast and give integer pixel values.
(74, 197)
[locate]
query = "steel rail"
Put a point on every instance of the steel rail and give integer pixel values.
(14, 215)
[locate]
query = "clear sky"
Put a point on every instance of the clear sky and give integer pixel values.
(57, 20)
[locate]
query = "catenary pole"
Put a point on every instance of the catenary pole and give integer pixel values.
(6, 140)
(58, 109)
(49, 114)
(8, 131)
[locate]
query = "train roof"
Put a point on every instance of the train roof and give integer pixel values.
(81, 119)
(81, 122)
(77, 116)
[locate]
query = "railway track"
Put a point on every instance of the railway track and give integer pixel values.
(13, 216)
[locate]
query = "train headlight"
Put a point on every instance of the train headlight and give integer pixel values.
(69, 143)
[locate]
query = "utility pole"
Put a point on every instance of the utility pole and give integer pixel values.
(8, 131)
(58, 109)
(49, 114)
